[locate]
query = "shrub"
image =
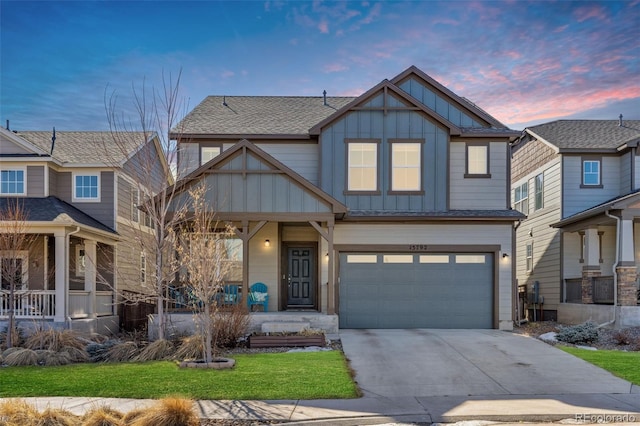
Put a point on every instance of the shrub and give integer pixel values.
(622, 337)
(190, 348)
(159, 350)
(57, 417)
(54, 340)
(230, 325)
(18, 412)
(582, 333)
(102, 416)
(52, 358)
(121, 352)
(169, 412)
(75, 354)
(99, 351)
(21, 357)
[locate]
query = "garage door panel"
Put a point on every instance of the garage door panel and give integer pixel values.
(433, 291)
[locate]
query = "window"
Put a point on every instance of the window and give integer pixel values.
(86, 187)
(143, 268)
(397, 258)
(529, 257)
(208, 153)
(135, 202)
(80, 261)
(434, 258)
(362, 258)
(471, 258)
(477, 161)
(405, 166)
(539, 191)
(12, 182)
(362, 167)
(591, 173)
(14, 269)
(521, 198)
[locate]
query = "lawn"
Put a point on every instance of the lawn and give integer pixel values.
(620, 363)
(302, 375)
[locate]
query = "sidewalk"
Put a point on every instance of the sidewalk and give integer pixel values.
(594, 408)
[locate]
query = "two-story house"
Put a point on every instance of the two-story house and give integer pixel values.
(79, 197)
(387, 210)
(578, 182)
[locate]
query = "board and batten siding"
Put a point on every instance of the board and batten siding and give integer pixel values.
(437, 103)
(625, 173)
(396, 124)
(478, 193)
(256, 192)
(577, 199)
(537, 230)
(301, 158)
(441, 234)
(35, 181)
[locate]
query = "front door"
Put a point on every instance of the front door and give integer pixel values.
(301, 277)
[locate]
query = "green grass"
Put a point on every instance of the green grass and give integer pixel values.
(303, 375)
(621, 364)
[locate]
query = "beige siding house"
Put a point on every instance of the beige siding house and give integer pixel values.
(577, 251)
(387, 210)
(76, 192)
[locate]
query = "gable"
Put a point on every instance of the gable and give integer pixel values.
(245, 179)
(12, 144)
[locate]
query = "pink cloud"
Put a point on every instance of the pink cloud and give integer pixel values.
(323, 26)
(591, 11)
(335, 67)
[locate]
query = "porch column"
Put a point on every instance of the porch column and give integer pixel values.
(328, 236)
(591, 267)
(626, 270)
(61, 250)
(90, 274)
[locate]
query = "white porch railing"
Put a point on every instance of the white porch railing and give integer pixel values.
(29, 304)
(80, 303)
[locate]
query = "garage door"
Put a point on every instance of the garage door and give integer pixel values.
(407, 290)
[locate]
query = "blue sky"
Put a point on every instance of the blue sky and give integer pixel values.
(523, 62)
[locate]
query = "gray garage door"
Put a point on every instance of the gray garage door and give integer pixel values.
(406, 290)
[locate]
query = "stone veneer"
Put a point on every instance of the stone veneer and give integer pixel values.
(587, 285)
(627, 288)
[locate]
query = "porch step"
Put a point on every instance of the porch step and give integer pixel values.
(282, 326)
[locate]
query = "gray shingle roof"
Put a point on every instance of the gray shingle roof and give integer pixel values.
(588, 134)
(259, 115)
(85, 147)
(51, 209)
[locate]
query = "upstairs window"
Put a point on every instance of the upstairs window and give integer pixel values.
(521, 198)
(539, 191)
(86, 187)
(362, 166)
(477, 161)
(12, 182)
(529, 257)
(591, 173)
(406, 164)
(143, 268)
(208, 153)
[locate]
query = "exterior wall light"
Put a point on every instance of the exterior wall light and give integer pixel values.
(267, 243)
(505, 255)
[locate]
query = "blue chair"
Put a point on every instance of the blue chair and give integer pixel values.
(230, 295)
(258, 296)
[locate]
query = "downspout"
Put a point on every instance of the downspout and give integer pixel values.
(615, 267)
(516, 296)
(66, 275)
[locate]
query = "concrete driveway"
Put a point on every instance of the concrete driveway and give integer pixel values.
(421, 362)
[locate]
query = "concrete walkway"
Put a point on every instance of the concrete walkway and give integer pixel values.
(437, 376)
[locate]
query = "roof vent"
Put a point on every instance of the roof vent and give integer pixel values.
(224, 101)
(8, 125)
(53, 141)
(324, 97)
(620, 122)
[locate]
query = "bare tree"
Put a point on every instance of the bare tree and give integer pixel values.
(14, 239)
(203, 254)
(151, 179)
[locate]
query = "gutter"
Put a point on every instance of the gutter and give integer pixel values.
(66, 278)
(615, 267)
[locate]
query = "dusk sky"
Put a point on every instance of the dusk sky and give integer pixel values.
(523, 62)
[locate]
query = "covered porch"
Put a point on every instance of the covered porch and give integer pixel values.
(65, 275)
(601, 255)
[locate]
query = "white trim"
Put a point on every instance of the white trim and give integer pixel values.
(76, 199)
(46, 180)
(24, 256)
(80, 265)
(22, 169)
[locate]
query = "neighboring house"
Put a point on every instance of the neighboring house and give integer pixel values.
(578, 182)
(80, 203)
(388, 210)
